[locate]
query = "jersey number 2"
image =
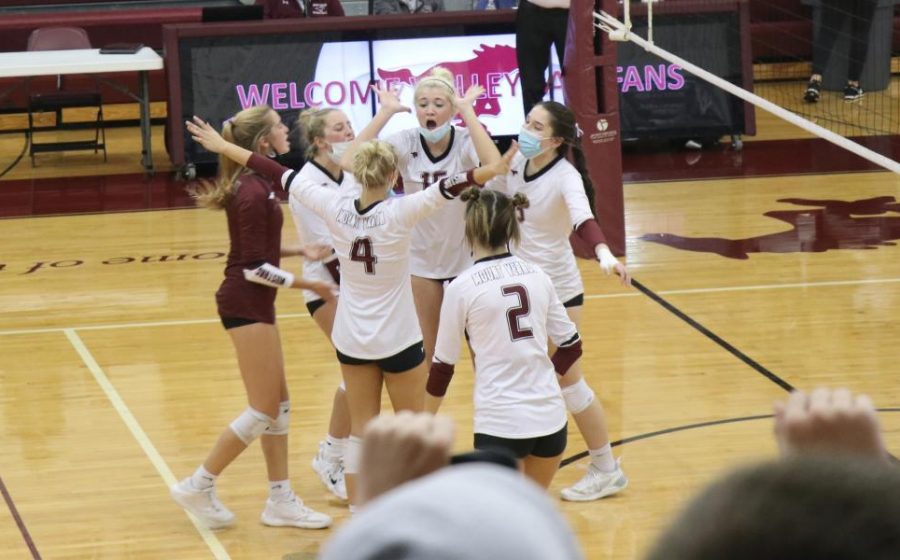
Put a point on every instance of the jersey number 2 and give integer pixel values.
(513, 314)
(361, 251)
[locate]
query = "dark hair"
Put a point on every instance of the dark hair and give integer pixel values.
(491, 220)
(809, 506)
(562, 122)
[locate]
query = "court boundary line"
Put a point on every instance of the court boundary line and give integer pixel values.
(689, 291)
(143, 440)
(696, 425)
(20, 523)
(721, 342)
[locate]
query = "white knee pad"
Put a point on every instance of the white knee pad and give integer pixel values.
(250, 425)
(578, 397)
(352, 454)
(281, 424)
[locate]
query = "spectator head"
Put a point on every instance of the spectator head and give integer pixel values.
(464, 512)
(831, 507)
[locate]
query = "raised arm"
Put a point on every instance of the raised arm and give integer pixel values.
(204, 134)
(420, 205)
(485, 148)
(389, 106)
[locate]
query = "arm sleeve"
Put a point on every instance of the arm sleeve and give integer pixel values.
(566, 355)
(252, 210)
(449, 338)
(268, 168)
(562, 333)
(589, 231)
(417, 206)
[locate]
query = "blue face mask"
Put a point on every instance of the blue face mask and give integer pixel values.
(436, 135)
(530, 144)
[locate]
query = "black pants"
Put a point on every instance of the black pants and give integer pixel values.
(536, 30)
(834, 14)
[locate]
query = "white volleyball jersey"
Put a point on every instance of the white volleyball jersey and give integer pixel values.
(438, 247)
(376, 316)
(509, 309)
(557, 205)
(312, 229)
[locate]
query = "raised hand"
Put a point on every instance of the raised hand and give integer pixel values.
(503, 166)
(474, 92)
(400, 448)
(390, 102)
(828, 421)
(204, 134)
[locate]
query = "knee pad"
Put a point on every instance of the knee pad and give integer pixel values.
(250, 425)
(578, 397)
(281, 424)
(352, 454)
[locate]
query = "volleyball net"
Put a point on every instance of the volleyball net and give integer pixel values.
(691, 39)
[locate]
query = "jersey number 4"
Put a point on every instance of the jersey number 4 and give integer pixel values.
(513, 314)
(361, 251)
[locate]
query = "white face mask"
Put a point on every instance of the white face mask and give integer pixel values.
(337, 151)
(436, 135)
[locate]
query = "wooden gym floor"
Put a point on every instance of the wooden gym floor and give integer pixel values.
(115, 375)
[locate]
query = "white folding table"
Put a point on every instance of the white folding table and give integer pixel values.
(90, 61)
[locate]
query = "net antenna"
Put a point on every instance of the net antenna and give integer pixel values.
(619, 31)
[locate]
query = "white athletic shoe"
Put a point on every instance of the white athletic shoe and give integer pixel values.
(330, 472)
(204, 504)
(292, 513)
(596, 484)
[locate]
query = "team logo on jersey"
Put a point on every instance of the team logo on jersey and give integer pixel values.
(602, 124)
(488, 66)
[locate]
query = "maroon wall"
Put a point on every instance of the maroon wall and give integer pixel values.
(119, 26)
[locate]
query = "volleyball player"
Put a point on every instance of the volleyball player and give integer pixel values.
(560, 196)
(246, 305)
(508, 309)
(327, 133)
(378, 342)
(433, 150)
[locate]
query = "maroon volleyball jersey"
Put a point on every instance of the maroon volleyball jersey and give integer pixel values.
(254, 227)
